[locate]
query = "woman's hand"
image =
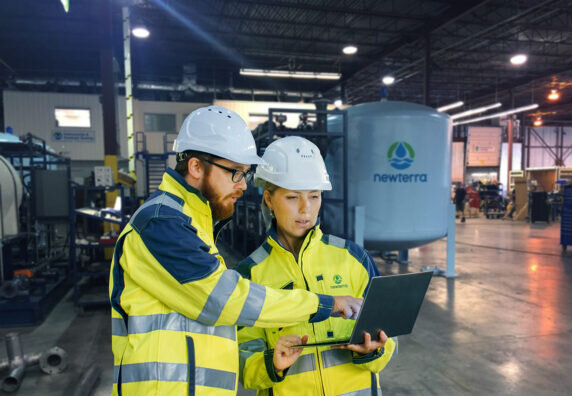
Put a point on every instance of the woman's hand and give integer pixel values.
(368, 345)
(284, 354)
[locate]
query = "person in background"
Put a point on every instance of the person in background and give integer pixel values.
(296, 255)
(174, 304)
(512, 202)
(460, 195)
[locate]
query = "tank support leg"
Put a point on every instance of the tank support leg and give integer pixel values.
(359, 225)
(451, 236)
(403, 257)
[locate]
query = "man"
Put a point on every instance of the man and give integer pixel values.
(460, 195)
(175, 305)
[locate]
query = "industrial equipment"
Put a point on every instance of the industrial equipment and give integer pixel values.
(51, 361)
(34, 216)
(399, 160)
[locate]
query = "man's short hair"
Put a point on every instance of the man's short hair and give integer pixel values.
(182, 166)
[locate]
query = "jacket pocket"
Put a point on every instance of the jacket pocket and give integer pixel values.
(191, 365)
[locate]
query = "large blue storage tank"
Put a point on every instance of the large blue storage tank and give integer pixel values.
(399, 170)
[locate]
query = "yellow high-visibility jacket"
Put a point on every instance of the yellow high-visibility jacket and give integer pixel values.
(326, 264)
(175, 305)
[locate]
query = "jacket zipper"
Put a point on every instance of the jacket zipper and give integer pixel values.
(318, 360)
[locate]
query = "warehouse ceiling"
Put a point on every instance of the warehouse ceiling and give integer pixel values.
(196, 49)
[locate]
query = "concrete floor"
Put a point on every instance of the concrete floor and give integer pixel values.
(503, 327)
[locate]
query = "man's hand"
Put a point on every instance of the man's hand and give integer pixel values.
(284, 354)
(347, 307)
(368, 345)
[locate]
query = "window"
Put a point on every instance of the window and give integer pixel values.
(73, 118)
(154, 122)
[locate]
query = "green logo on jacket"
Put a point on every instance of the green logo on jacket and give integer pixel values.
(337, 279)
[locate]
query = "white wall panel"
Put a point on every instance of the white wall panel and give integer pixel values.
(516, 162)
(34, 112)
(154, 140)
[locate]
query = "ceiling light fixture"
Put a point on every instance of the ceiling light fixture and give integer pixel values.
(450, 106)
(349, 50)
(338, 102)
(476, 111)
(553, 95)
(140, 32)
(388, 80)
(538, 122)
(290, 74)
(518, 59)
(502, 113)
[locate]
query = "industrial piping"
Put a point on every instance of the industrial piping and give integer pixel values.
(52, 361)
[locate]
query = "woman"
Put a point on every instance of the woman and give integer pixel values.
(296, 255)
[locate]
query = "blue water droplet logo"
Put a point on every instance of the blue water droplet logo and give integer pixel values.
(400, 155)
(401, 152)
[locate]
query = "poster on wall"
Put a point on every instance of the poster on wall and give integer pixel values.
(483, 146)
(73, 136)
(458, 162)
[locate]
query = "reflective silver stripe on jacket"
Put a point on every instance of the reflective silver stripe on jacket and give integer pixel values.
(172, 321)
(215, 378)
(252, 306)
(336, 241)
(162, 199)
(218, 297)
(361, 392)
(304, 364)
(174, 372)
(259, 255)
(154, 371)
(335, 357)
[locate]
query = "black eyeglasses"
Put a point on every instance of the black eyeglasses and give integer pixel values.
(237, 174)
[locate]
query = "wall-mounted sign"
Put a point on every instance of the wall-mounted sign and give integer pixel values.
(483, 146)
(64, 136)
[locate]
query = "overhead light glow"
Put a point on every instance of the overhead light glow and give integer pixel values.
(140, 32)
(290, 74)
(518, 59)
(450, 106)
(349, 49)
(476, 111)
(502, 113)
(538, 122)
(553, 95)
(338, 102)
(388, 80)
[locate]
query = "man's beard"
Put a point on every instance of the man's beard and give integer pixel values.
(221, 207)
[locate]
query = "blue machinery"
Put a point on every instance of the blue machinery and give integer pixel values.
(35, 273)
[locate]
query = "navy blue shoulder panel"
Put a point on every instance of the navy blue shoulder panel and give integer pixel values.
(174, 243)
(160, 203)
(363, 257)
(169, 236)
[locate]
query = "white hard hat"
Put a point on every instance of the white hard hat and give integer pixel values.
(218, 131)
(293, 163)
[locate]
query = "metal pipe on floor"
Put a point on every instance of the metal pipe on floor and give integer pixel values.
(51, 361)
(17, 363)
(87, 381)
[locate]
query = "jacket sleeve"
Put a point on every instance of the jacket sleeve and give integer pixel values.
(376, 360)
(256, 360)
(168, 260)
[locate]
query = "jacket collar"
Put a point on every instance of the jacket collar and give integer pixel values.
(176, 184)
(312, 237)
